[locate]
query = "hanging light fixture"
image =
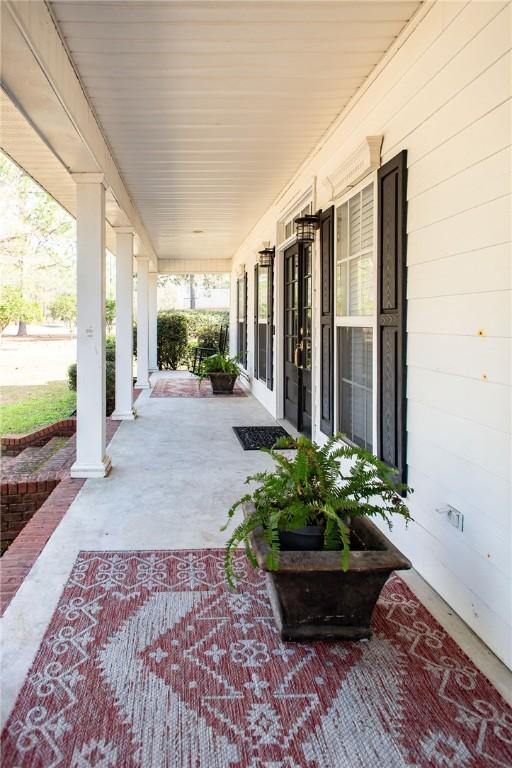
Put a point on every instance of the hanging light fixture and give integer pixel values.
(306, 226)
(267, 255)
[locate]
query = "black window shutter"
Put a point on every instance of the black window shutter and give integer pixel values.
(270, 327)
(245, 286)
(256, 345)
(326, 321)
(391, 313)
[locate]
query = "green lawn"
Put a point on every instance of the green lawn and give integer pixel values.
(24, 409)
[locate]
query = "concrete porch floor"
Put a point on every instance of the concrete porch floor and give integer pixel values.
(177, 469)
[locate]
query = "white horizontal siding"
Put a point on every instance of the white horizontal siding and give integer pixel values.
(467, 356)
(482, 446)
(469, 484)
(483, 270)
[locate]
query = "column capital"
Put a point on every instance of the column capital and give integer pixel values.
(142, 258)
(89, 178)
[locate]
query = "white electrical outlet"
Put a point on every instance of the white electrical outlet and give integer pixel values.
(454, 516)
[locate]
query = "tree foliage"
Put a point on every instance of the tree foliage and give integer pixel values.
(14, 308)
(110, 313)
(63, 307)
(37, 238)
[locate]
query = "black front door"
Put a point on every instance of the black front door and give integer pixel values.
(297, 336)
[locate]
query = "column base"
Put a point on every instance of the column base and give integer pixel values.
(124, 415)
(154, 370)
(142, 384)
(91, 470)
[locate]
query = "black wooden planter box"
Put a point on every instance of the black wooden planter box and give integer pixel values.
(313, 599)
(222, 383)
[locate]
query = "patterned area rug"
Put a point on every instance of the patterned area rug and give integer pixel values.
(190, 388)
(150, 661)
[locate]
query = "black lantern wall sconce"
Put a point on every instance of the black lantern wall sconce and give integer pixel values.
(266, 256)
(306, 226)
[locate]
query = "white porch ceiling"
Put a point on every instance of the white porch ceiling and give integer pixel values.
(210, 107)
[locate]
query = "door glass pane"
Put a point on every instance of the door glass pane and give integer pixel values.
(355, 385)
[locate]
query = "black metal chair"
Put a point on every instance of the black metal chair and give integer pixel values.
(201, 353)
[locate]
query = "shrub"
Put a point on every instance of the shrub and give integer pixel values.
(110, 348)
(172, 340)
(110, 374)
(198, 320)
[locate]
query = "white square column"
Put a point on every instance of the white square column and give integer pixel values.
(152, 302)
(142, 322)
(124, 325)
(91, 457)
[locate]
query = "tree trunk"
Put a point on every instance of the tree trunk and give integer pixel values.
(22, 328)
(192, 283)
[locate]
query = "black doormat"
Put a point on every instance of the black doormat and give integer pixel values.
(255, 438)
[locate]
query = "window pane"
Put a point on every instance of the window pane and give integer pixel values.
(355, 349)
(354, 255)
(262, 294)
(341, 256)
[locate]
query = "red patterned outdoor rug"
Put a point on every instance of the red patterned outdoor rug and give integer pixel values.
(190, 388)
(150, 661)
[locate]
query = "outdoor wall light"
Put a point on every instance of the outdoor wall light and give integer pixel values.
(267, 256)
(306, 226)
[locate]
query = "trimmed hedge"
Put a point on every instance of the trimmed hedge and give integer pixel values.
(199, 320)
(172, 335)
(179, 333)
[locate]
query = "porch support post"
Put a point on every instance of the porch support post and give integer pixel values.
(124, 325)
(142, 323)
(91, 457)
(152, 300)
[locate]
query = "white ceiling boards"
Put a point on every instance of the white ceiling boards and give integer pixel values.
(209, 108)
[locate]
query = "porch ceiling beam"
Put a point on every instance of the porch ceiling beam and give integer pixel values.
(70, 121)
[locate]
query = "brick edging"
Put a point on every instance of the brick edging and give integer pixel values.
(14, 444)
(18, 560)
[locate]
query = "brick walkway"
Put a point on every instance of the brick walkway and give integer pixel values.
(29, 543)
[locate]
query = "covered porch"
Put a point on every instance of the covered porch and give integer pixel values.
(348, 165)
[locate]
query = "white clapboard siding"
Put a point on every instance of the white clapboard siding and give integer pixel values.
(469, 314)
(445, 97)
(483, 403)
(487, 269)
(455, 74)
(472, 357)
(466, 148)
(488, 224)
(488, 550)
(483, 446)
(468, 483)
(480, 183)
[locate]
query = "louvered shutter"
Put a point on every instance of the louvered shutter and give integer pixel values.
(391, 313)
(326, 321)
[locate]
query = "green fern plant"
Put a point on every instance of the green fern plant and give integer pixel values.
(220, 363)
(325, 486)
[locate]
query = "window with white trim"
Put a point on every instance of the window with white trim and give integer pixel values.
(355, 315)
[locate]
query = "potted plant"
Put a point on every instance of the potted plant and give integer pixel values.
(223, 371)
(307, 523)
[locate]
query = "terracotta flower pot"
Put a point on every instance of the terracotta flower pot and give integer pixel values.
(313, 599)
